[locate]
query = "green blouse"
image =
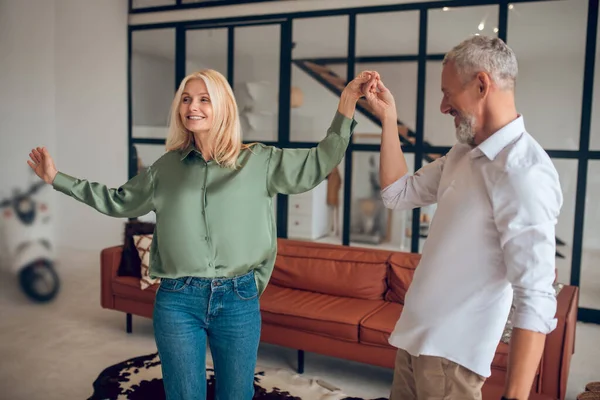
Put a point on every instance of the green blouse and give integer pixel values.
(213, 221)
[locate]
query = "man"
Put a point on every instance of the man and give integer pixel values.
(492, 236)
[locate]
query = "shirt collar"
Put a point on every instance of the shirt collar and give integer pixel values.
(493, 145)
(191, 148)
(186, 152)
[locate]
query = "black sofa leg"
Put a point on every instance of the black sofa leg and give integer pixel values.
(128, 323)
(300, 361)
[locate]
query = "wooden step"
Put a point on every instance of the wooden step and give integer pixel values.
(318, 68)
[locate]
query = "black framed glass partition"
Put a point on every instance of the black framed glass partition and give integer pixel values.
(152, 78)
(288, 70)
(256, 80)
(206, 48)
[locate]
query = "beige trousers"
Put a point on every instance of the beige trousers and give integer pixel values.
(433, 378)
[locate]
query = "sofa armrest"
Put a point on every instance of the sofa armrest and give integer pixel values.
(560, 344)
(110, 258)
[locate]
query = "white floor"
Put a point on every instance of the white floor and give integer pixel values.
(55, 351)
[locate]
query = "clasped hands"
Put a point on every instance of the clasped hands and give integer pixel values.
(368, 84)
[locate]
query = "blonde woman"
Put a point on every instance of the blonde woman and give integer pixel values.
(214, 244)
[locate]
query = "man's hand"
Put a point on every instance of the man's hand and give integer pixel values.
(42, 164)
(381, 100)
(354, 91)
(357, 87)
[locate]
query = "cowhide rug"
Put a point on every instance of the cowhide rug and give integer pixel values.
(140, 378)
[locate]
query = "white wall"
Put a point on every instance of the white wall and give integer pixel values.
(64, 86)
(91, 111)
(27, 106)
(26, 86)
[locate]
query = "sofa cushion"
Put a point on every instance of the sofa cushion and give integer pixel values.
(500, 360)
(129, 287)
(400, 275)
(334, 270)
(331, 316)
(376, 328)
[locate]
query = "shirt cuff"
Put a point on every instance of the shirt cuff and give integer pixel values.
(63, 183)
(343, 125)
(393, 189)
(533, 322)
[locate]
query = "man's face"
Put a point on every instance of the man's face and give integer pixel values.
(461, 100)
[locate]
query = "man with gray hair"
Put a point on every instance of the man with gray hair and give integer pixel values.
(492, 237)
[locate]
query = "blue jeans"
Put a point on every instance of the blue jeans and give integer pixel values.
(226, 311)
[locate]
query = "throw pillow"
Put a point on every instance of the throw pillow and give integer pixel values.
(143, 244)
(130, 259)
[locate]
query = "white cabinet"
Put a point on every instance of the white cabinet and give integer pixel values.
(308, 216)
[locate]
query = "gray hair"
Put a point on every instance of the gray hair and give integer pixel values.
(485, 54)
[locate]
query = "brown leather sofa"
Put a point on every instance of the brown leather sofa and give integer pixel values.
(344, 302)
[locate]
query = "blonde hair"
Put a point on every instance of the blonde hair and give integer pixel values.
(226, 132)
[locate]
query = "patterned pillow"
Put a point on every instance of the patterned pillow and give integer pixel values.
(142, 244)
(130, 260)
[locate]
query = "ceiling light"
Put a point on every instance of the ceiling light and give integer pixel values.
(511, 6)
(481, 26)
(495, 30)
(446, 8)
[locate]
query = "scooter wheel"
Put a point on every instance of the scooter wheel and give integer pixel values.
(39, 281)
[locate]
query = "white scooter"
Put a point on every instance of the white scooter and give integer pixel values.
(27, 244)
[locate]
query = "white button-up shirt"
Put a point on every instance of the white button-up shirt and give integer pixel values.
(492, 236)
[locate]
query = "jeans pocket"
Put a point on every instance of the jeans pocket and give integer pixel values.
(246, 290)
(172, 285)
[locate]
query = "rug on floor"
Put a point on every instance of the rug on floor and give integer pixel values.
(141, 378)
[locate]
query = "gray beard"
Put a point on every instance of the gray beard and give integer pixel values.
(465, 131)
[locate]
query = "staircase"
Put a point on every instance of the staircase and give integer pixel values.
(336, 84)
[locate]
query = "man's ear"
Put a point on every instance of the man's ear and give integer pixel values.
(483, 84)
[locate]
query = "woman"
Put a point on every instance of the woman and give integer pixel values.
(214, 244)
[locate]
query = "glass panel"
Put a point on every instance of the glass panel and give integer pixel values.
(550, 84)
(448, 26)
(256, 77)
(152, 81)
(146, 154)
(590, 258)
(427, 212)
(401, 79)
(320, 37)
(373, 225)
(387, 34)
(206, 48)
(438, 127)
(151, 3)
(317, 215)
(567, 172)
(317, 84)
